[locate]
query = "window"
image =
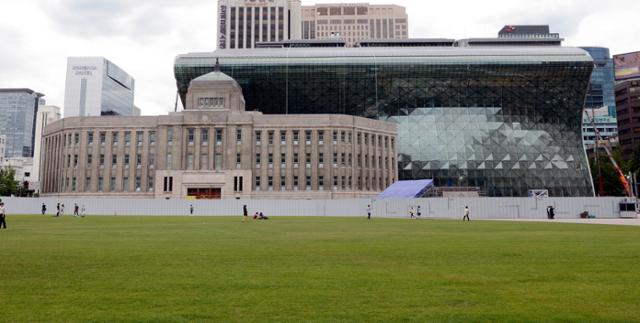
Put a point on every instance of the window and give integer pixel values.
(101, 160)
(283, 137)
(270, 183)
(335, 159)
(296, 137)
(321, 137)
(219, 137)
(75, 161)
(239, 136)
(126, 160)
(335, 181)
(238, 183)
(151, 184)
(359, 139)
(114, 138)
(76, 138)
(335, 137)
(170, 135)
(125, 184)
(127, 138)
(114, 160)
(89, 160)
(208, 103)
(152, 160)
(295, 182)
(258, 161)
(168, 184)
(218, 162)
(308, 159)
(343, 159)
(258, 137)
(270, 159)
(271, 135)
(87, 184)
(204, 162)
(321, 181)
(295, 158)
(190, 161)
(138, 183)
(90, 138)
(238, 160)
(344, 182)
(283, 160)
(112, 184)
(152, 138)
(366, 139)
(103, 138)
(308, 182)
(320, 158)
(100, 184)
(139, 138)
(191, 135)
(307, 137)
(258, 184)
(283, 182)
(139, 160)
(343, 136)
(350, 137)
(169, 161)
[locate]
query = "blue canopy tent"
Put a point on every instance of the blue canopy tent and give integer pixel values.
(407, 189)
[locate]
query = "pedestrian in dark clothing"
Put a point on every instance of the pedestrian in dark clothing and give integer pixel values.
(3, 215)
(552, 213)
(369, 209)
(58, 210)
(191, 209)
(466, 214)
(245, 214)
(76, 210)
(44, 208)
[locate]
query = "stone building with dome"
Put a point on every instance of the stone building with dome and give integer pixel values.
(214, 149)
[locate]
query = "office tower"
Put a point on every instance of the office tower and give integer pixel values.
(628, 110)
(18, 108)
(95, 86)
(602, 86)
(243, 23)
(354, 22)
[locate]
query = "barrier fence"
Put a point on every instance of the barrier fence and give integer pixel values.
(481, 208)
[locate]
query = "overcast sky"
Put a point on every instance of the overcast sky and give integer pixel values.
(144, 36)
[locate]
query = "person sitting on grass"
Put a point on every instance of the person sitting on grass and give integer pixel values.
(255, 216)
(262, 217)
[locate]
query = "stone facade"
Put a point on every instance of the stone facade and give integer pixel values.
(214, 149)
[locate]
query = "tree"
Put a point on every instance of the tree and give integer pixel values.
(8, 183)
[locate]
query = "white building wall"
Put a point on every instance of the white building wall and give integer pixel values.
(46, 114)
(452, 208)
(91, 70)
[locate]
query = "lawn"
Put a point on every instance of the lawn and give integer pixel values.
(133, 269)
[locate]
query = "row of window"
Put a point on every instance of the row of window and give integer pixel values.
(343, 183)
(342, 159)
(74, 138)
(71, 184)
(72, 160)
(338, 137)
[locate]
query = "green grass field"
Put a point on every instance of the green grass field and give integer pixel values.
(132, 269)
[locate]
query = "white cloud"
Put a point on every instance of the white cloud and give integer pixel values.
(144, 36)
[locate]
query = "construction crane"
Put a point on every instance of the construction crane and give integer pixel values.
(621, 176)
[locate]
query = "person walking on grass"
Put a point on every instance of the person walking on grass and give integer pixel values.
(369, 210)
(191, 209)
(58, 210)
(76, 210)
(245, 214)
(3, 215)
(44, 209)
(466, 214)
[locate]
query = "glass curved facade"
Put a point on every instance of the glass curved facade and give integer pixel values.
(506, 120)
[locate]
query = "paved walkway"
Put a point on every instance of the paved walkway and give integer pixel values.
(629, 222)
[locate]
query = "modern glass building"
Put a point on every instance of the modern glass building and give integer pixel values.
(602, 86)
(95, 86)
(18, 110)
(504, 119)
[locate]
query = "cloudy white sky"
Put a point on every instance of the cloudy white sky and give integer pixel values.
(144, 36)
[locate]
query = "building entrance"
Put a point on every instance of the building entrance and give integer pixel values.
(205, 193)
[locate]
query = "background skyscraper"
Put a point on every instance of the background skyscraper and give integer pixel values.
(243, 23)
(18, 108)
(95, 86)
(602, 87)
(354, 22)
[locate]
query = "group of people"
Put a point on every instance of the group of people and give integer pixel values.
(77, 211)
(257, 216)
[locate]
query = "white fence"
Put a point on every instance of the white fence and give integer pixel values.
(481, 208)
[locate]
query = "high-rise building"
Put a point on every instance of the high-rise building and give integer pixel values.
(628, 109)
(46, 115)
(607, 129)
(243, 23)
(354, 22)
(466, 116)
(95, 86)
(603, 81)
(18, 109)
